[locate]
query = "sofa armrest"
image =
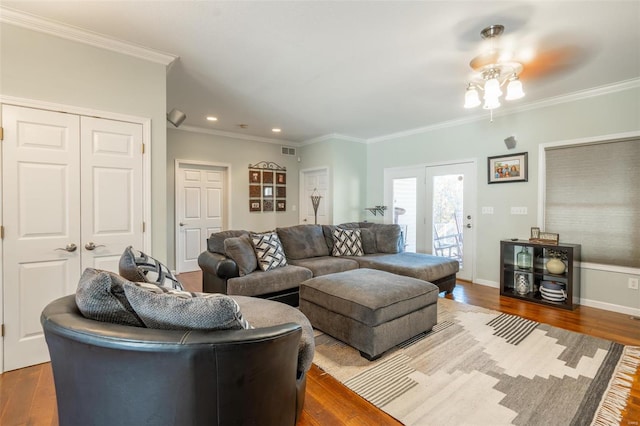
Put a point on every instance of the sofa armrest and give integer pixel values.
(216, 269)
(218, 264)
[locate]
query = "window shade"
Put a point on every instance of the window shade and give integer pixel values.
(593, 199)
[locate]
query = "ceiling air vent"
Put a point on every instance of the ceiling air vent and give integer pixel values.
(286, 150)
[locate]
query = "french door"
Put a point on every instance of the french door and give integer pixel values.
(451, 207)
(435, 205)
(72, 198)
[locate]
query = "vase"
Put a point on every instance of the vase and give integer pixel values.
(522, 284)
(524, 258)
(556, 266)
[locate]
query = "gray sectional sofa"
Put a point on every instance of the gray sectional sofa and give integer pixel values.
(229, 266)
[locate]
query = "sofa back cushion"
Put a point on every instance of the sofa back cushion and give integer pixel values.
(303, 241)
(240, 250)
(388, 238)
(215, 242)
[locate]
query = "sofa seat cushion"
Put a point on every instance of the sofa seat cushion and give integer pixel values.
(303, 241)
(260, 282)
(417, 265)
(326, 264)
(265, 313)
(369, 296)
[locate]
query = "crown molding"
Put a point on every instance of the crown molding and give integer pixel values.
(202, 130)
(544, 103)
(332, 136)
(35, 23)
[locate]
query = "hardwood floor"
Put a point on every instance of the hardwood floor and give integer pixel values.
(27, 396)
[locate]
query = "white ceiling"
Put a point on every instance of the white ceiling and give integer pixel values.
(361, 69)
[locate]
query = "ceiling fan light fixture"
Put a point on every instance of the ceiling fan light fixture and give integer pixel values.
(514, 89)
(471, 97)
(491, 103)
(492, 88)
(492, 70)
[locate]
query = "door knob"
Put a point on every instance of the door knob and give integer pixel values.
(70, 248)
(181, 224)
(91, 246)
(469, 225)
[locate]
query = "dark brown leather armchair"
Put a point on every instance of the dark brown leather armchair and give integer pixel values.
(108, 374)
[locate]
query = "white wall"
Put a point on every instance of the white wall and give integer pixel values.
(611, 113)
(238, 153)
(41, 67)
(348, 168)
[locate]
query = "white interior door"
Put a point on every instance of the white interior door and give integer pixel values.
(200, 193)
(451, 209)
(316, 183)
(111, 191)
(72, 198)
(41, 195)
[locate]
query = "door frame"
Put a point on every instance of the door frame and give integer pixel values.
(301, 191)
(145, 122)
(227, 189)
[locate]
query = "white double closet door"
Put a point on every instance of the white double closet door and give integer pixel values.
(72, 199)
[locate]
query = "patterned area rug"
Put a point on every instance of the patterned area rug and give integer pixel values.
(482, 367)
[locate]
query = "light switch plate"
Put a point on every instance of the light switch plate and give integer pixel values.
(487, 210)
(518, 210)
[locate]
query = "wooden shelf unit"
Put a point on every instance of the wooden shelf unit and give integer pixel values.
(509, 271)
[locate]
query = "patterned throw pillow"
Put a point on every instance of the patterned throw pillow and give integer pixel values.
(269, 250)
(347, 242)
(166, 309)
(138, 266)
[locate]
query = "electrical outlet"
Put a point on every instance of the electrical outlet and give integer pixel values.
(633, 283)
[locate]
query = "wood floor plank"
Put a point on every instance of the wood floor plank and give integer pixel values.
(27, 396)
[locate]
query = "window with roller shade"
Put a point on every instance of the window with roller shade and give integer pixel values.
(592, 198)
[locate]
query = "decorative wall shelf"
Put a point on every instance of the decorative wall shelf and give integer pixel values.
(377, 210)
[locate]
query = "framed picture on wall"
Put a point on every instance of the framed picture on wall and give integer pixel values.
(508, 168)
(255, 205)
(281, 178)
(281, 205)
(254, 176)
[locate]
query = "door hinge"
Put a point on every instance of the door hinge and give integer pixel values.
(144, 227)
(2, 330)
(1, 232)
(1, 133)
(143, 148)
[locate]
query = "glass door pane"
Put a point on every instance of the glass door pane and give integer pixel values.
(405, 209)
(447, 216)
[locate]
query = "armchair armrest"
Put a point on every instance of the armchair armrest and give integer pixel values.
(216, 269)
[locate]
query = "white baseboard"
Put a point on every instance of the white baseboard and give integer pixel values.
(487, 283)
(611, 307)
(585, 302)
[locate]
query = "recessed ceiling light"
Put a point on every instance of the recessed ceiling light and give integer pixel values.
(276, 130)
(212, 118)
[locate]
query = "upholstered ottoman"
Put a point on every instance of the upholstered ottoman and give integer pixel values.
(368, 309)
